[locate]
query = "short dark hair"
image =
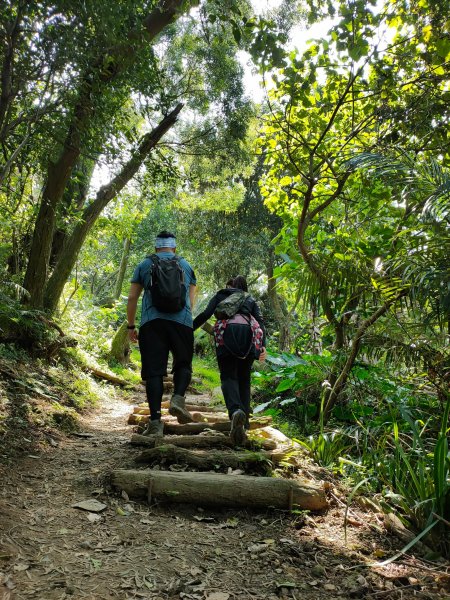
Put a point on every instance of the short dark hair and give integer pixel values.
(230, 282)
(240, 283)
(166, 234)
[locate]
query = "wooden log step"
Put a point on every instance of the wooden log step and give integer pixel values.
(206, 460)
(199, 400)
(213, 489)
(142, 420)
(168, 387)
(217, 440)
(198, 417)
(143, 409)
(201, 417)
(204, 408)
(194, 428)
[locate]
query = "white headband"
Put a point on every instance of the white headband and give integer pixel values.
(165, 242)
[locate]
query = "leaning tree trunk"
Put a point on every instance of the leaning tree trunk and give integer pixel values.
(120, 345)
(122, 268)
(72, 203)
(68, 257)
(97, 78)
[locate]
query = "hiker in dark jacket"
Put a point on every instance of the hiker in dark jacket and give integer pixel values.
(239, 341)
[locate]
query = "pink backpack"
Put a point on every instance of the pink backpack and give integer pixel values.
(239, 319)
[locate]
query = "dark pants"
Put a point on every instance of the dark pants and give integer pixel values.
(156, 339)
(235, 379)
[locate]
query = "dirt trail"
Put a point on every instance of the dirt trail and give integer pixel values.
(49, 550)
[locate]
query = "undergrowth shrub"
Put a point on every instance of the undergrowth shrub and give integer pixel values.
(390, 431)
(26, 328)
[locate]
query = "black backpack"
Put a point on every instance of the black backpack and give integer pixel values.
(231, 305)
(167, 284)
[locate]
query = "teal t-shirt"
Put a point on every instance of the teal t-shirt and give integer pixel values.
(141, 275)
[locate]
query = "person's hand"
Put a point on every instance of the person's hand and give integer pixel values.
(263, 355)
(133, 336)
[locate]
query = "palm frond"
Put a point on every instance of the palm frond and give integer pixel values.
(426, 181)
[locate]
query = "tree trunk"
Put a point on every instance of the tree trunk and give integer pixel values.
(111, 378)
(212, 489)
(10, 42)
(68, 257)
(217, 440)
(96, 80)
(122, 268)
(280, 316)
(338, 382)
(72, 203)
(120, 345)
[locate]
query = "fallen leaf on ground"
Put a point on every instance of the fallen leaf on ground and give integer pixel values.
(91, 505)
(256, 548)
(287, 584)
(93, 518)
(329, 586)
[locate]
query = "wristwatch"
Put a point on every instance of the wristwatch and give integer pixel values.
(131, 326)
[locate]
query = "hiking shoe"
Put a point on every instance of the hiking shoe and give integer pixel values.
(237, 433)
(155, 428)
(177, 409)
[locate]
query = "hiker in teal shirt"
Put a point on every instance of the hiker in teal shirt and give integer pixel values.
(168, 282)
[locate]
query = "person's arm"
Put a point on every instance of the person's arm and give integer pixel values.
(133, 297)
(206, 314)
(192, 295)
(258, 316)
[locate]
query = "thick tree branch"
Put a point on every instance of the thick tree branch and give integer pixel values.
(356, 343)
(92, 86)
(105, 194)
(7, 67)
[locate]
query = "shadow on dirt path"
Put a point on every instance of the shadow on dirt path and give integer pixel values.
(50, 550)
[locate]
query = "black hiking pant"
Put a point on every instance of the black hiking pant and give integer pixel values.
(235, 380)
(156, 339)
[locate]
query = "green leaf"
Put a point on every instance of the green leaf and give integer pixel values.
(285, 384)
